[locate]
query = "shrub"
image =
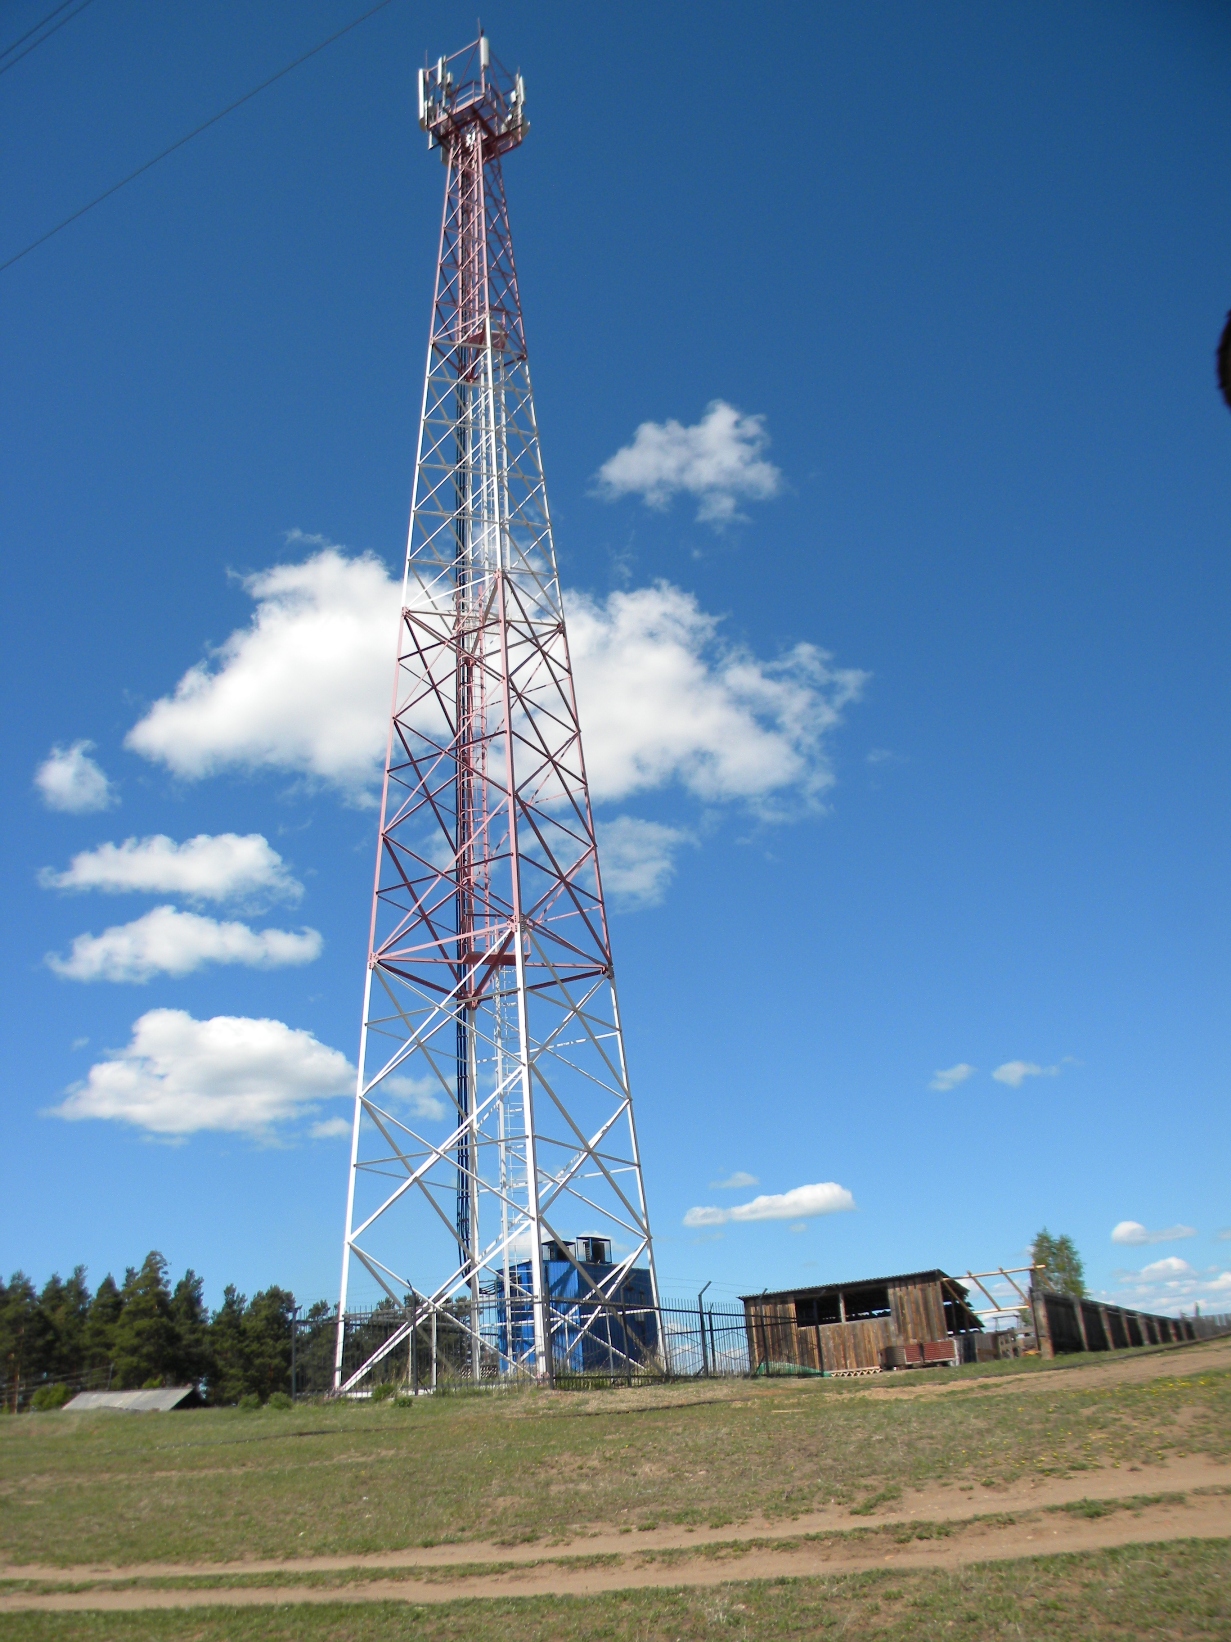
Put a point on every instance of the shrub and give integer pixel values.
(279, 1399)
(249, 1402)
(48, 1397)
(382, 1393)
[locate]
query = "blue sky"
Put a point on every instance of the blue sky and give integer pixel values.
(965, 269)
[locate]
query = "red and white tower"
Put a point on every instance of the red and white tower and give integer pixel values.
(490, 990)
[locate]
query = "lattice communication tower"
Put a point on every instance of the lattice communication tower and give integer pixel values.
(493, 1115)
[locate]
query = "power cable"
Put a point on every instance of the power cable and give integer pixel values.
(54, 12)
(39, 41)
(195, 132)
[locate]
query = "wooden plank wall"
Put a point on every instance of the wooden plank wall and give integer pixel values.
(917, 1313)
(854, 1345)
(1068, 1325)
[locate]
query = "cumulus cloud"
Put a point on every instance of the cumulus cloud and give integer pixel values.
(734, 1182)
(331, 1128)
(638, 858)
(225, 867)
(663, 700)
(1172, 1285)
(1015, 1072)
(1135, 1234)
(421, 1095)
(1170, 1266)
(179, 1075)
(951, 1076)
(720, 460)
(69, 779)
(305, 688)
(169, 942)
(801, 1202)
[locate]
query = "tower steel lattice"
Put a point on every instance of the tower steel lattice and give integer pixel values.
(490, 994)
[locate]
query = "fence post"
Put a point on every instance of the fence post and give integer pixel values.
(414, 1344)
(701, 1319)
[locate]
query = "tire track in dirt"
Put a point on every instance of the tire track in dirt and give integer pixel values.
(1041, 1535)
(935, 1504)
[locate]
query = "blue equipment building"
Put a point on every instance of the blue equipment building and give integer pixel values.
(615, 1334)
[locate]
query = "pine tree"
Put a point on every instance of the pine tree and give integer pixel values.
(21, 1334)
(267, 1342)
(64, 1307)
(98, 1341)
(226, 1342)
(145, 1332)
(190, 1319)
(1063, 1271)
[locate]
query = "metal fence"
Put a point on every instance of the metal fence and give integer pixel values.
(420, 1348)
(593, 1342)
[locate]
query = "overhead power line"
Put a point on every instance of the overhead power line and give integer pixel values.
(13, 61)
(195, 132)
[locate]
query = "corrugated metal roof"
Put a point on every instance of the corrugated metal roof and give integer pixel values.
(860, 1283)
(161, 1401)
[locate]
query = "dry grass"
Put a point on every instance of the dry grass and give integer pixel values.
(218, 1484)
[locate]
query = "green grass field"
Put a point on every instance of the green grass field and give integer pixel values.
(1180, 1590)
(222, 1485)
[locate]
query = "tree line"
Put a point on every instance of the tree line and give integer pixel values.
(143, 1333)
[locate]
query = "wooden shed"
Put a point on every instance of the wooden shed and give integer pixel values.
(846, 1328)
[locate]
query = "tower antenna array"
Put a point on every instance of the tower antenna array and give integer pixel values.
(493, 1115)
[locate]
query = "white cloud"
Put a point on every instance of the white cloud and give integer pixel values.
(719, 460)
(951, 1076)
(179, 1075)
(637, 858)
(305, 688)
(1170, 1266)
(331, 1128)
(69, 779)
(734, 1182)
(1135, 1234)
(1172, 1285)
(220, 868)
(1015, 1072)
(826, 1197)
(169, 942)
(420, 1094)
(662, 700)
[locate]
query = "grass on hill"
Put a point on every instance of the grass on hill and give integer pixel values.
(1180, 1591)
(346, 1479)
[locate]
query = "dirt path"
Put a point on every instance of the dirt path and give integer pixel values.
(819, 1542)
(1040, 1534)
(937, 1504)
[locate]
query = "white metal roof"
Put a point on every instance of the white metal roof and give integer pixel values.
(133, 1402)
